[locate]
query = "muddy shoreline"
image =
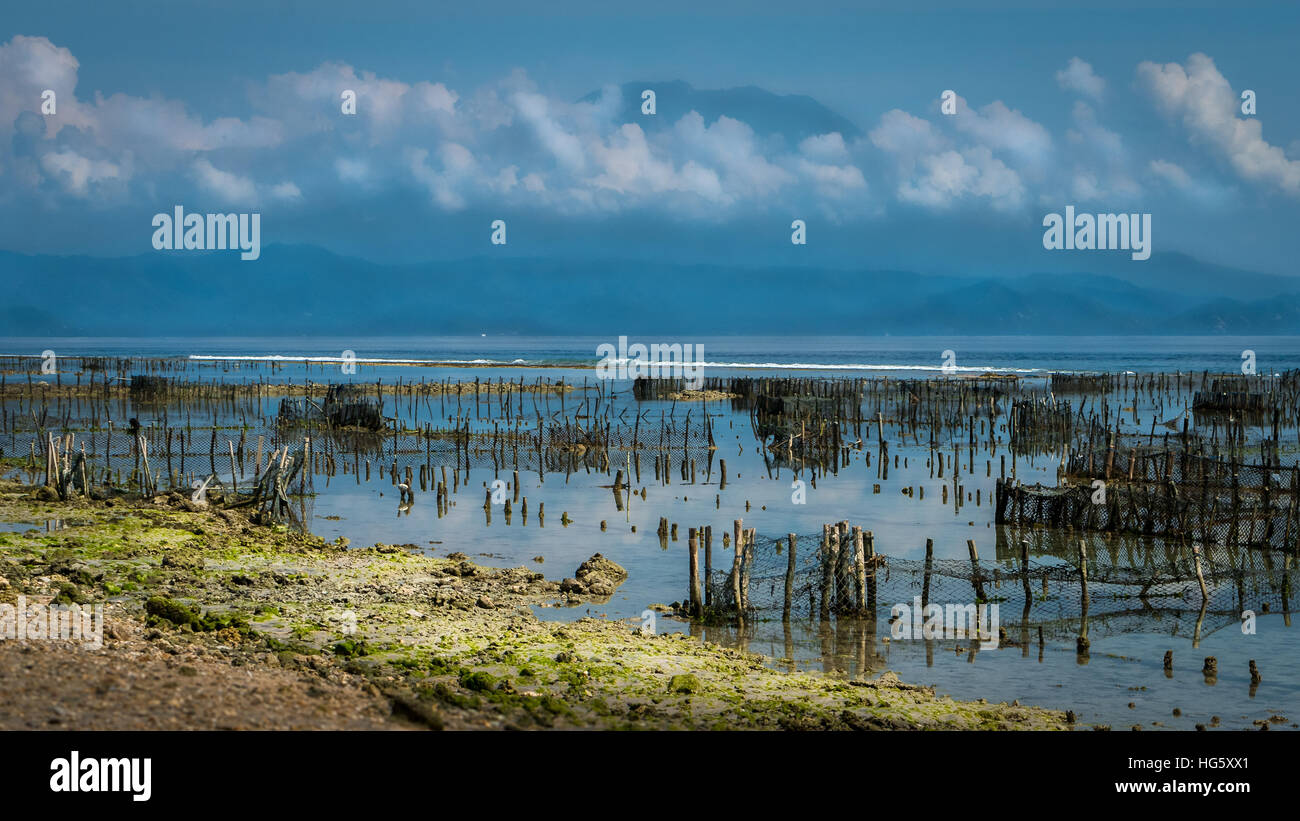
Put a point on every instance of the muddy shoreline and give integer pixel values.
(216, 621)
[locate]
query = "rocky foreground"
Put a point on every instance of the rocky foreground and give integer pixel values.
(217, 622)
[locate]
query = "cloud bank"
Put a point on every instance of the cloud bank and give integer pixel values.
(510, 145)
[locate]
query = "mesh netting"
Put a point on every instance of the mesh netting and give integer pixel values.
(1204, 513)
(828, 575)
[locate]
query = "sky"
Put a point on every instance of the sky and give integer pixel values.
(468, 113)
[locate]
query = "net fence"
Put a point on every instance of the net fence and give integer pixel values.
(836, 574)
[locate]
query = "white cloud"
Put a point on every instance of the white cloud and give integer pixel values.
(904, 134)
(1203, 100)
(1077, 76)
(565, 147)
(1005, 129)
(77, 172)
(351, 169)
(511, 145)
(951, 176)
(833, 181)
(439, 185)
(286, 191)
(312, 101)
(227, 187)
(434, 97)
(826, 148)
(729, 145)
(628, 166)
(29, 66)
(937, 172)
(1172, 173)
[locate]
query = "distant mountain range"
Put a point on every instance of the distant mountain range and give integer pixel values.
(304, 290)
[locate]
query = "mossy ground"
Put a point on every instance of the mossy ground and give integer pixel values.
(447, 643)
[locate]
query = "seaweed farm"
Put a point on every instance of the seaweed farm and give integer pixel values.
(1120, 522)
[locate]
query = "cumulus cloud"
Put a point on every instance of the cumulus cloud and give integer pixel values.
(76, 172)
(230, 189)
(440, 184)
(950, 176)
(313, 101)
(286, 191)
(1004, 129)
(903, 134)
(1171, 173)
(939, 171)
(826, 162)
(826, 148)
(563, 145)
(730, 146)
(510, 145)
(507, 144)
(1077, 76)
(28, 67)
(1202, 100)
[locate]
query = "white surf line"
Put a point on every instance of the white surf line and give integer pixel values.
(811, 366)
(669, 364)
(341, 359)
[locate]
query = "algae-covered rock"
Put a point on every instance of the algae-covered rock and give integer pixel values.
(162, 609)
(183, 560)
(477, 680)
(596, 576)
(348, 648)
(70, 594)
(684, 683)
(45, 493)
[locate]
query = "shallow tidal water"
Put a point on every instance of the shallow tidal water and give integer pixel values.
(1123, 668)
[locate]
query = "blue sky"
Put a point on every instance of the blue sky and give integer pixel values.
(467, 115)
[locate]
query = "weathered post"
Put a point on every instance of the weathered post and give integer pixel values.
(929, 565)
(976, 580)
(1200, 575)
(859, 572)
(738, 550)
(1024, 570)
(825, 559)
(708, 565)
(747, 566)
(789, 576)
(869, 555)
(1083, 644)
(697, 606)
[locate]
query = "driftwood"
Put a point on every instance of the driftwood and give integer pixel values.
(72, 478)
(271, 495)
